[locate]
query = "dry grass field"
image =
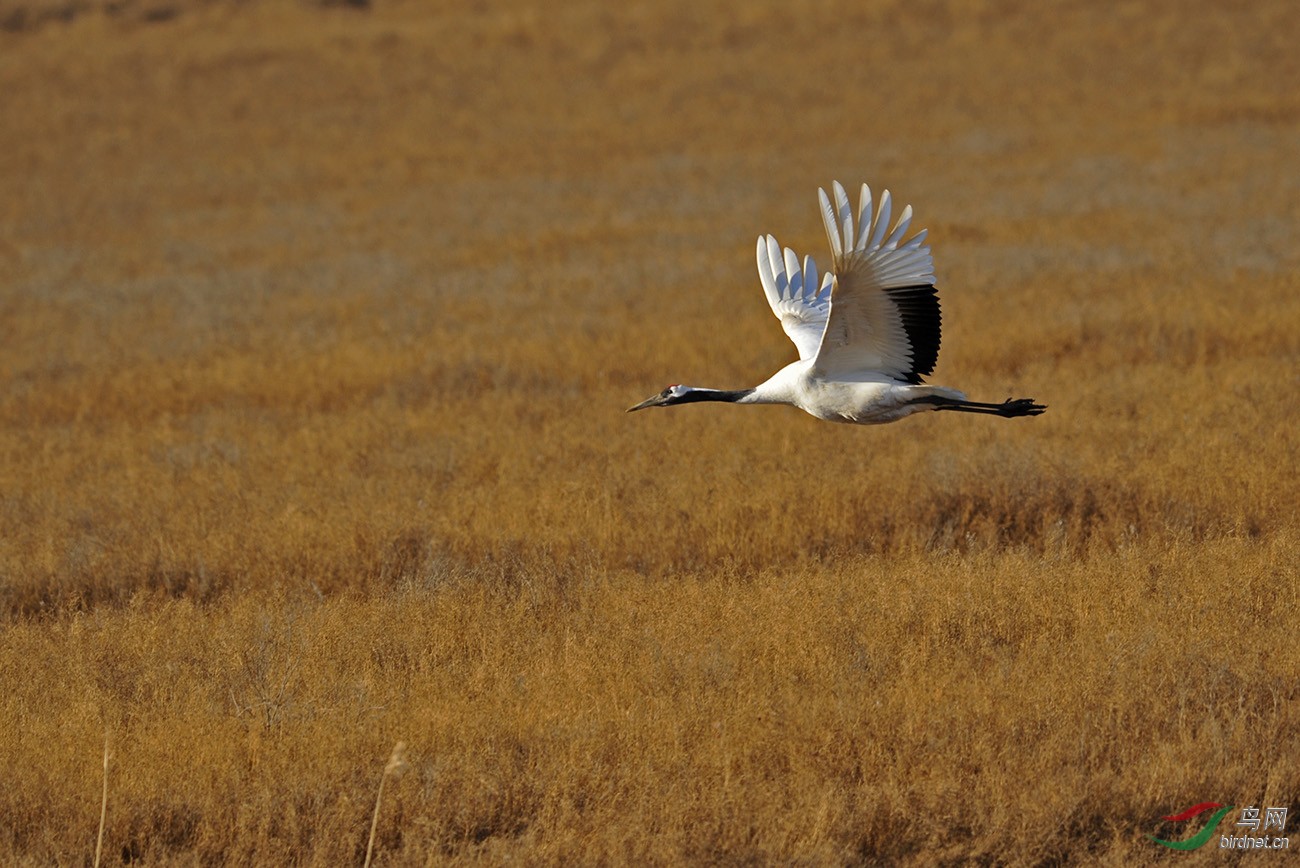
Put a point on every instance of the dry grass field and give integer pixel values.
(317, 325)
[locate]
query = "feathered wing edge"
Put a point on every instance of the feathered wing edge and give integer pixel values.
(890, 317)
(909, 262)
(798, 296)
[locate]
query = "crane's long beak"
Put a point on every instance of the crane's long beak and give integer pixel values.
(652, 401)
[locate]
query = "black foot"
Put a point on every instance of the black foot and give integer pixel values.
(1013, 407)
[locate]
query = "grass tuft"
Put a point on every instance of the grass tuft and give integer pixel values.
(103, 806)
(396, 767)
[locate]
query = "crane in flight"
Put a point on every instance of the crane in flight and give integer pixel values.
(867, 331)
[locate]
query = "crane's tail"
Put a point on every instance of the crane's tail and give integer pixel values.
(1008, 409)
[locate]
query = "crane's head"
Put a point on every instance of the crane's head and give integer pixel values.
(675, 394)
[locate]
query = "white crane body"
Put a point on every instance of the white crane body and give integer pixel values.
(871, 399)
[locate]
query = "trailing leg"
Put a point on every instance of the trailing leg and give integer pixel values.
(1008, 409)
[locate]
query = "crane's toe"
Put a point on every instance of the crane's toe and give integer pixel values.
(1013, 407)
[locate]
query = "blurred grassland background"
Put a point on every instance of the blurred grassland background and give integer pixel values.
(317, 323)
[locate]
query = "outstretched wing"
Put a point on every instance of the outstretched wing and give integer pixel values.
(884, 315)
(800, 300)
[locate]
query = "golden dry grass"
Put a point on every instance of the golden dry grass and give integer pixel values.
(316, 329)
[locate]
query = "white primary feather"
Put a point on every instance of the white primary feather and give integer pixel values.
(800, 299)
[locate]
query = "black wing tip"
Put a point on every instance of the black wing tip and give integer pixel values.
(918, 306)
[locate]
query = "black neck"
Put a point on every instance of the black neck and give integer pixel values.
(713, 395)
